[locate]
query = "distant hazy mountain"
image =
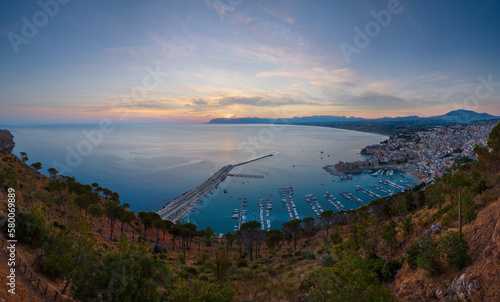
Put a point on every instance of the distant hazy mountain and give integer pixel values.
(457, 116)
(464, 116)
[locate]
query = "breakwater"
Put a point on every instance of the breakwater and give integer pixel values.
(182, 205)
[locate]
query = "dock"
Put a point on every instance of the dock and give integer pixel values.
(286, 194)
(182, 205)
(314, 204)
(353, 198)
(382, 189)
(334, 202)
(262, 203)
(243, 217)
(390, 183)
(333, 171)
(246, 175)
(367, 192)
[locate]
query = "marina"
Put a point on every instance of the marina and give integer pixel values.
(352, 198)
(390, 183)
(367, 192)
(382, 189)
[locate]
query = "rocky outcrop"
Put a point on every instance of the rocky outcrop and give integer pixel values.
(6, 140)
(434, 230)
(461, 289)
(370, 150)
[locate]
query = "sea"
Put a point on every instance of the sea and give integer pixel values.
(148, 165)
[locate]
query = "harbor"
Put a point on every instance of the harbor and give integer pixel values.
(182, 205)
(256, 181)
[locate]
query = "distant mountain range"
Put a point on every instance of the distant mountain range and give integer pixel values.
(457, 116)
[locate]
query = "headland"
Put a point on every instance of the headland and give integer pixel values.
(6, 140)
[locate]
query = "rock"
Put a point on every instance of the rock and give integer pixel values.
(435, 229)
(439, 292)
(369, 151)
(6, 140)
(476, 283)
(470, 288)
(487, 251)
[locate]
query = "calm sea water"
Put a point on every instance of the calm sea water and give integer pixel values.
(150, 164)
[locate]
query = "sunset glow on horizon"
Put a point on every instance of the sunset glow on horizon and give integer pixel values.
(192, 61)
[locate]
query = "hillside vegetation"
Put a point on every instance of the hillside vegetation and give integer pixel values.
(89, 246)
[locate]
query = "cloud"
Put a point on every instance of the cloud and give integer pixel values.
(317, 76)
(200, 102)
(259, 101)
(375, 100)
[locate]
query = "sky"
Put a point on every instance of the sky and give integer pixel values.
(194, 60)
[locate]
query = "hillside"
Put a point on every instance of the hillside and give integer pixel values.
(78, 237)
(477, 282)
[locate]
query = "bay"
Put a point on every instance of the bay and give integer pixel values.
(150, 164)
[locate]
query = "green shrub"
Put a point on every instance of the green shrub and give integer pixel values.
(192, 270)
(442, 211)
(390, 269)
(455, 249)
(429, 258)
(327, 260)
(451, 217)
(242, 263)
(335, 238)
(348, 280)
(412, 253)
(306, 255)
(286, 256)
(468, 209)
(31, 229)
(59, 225)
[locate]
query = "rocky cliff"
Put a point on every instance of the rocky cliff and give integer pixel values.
(6, 140)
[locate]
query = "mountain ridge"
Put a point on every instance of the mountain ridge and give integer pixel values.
(456, 116)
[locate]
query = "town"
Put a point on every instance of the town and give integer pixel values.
(423, 154)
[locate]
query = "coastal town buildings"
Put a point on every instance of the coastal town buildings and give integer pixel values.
(427, 153)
